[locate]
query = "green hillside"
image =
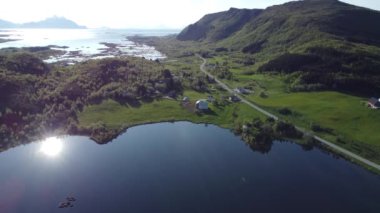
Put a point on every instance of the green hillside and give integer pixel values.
(295, 23)
(327, 44)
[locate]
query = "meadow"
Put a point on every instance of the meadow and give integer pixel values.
(115, 115)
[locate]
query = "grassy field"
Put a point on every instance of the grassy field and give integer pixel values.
(346, 115)
(115, 115)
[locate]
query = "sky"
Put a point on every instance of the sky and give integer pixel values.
(141, 14)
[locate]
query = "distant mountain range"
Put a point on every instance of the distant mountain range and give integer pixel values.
(52, 22)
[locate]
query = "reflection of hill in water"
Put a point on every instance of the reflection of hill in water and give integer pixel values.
(261, 147)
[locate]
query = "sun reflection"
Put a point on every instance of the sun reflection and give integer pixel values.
(51, 146)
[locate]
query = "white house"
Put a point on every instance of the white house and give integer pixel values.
(201, 104)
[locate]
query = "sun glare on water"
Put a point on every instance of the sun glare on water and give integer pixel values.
(51, 146)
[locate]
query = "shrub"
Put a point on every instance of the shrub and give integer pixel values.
(318, 128)
(286, 129)
(285, 111)
(263, 94)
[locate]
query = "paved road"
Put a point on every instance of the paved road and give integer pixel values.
(325, 142)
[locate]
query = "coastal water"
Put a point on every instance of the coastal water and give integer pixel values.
(83, 44)
(180, 167)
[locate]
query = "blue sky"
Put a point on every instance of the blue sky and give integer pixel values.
(133, 13)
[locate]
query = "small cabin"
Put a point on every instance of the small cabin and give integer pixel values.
(374, 103)
(201, 104)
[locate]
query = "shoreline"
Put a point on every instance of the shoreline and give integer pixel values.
(300, 142)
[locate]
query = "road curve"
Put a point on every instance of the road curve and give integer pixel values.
(254, 106)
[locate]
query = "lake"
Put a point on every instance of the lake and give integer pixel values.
(84, 44)
(180, 167)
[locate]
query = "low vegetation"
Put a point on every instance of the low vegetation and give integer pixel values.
(38, 99)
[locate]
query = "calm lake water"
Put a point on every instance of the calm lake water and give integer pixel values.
(86, 42)
(180, 167)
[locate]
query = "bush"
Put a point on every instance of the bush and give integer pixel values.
(318, 128)
(289, 63)
(263, 94)
(253, 48)
(285, 111)
(221, 49)
(25, 63)
(286, 129)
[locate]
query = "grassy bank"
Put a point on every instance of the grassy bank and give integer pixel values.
(115, 115)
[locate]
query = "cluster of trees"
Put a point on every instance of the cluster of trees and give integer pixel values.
(121, 80)
(23, 63)
(254, 47)
(259, 135)
(195, 81)
(222, 71)
(36, 98)
(327, 68)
